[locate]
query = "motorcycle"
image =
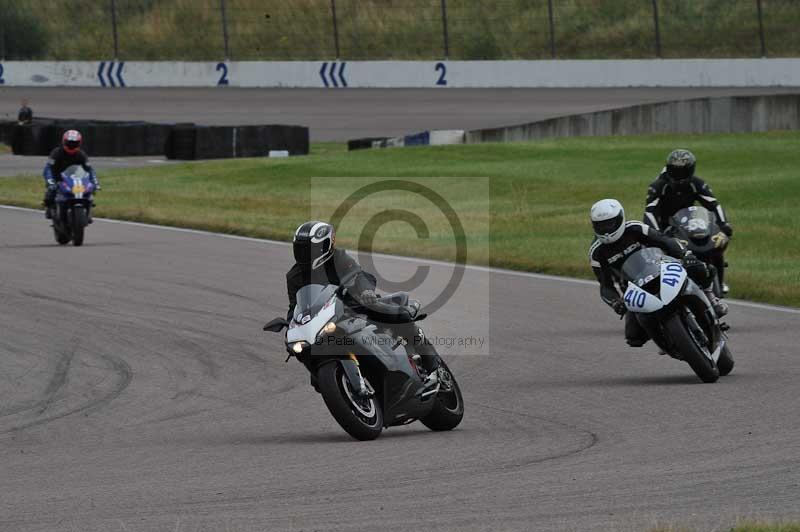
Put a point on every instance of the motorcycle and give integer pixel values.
(72, 211)
(676, 313)
(697, 229)
(368, 376)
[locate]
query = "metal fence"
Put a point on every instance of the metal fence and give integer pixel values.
(396, 29)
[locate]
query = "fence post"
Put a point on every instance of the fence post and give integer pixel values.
(761, 29)
(224, 29)
(657, 28)
(552, 29)
(335, 29)
(114, 27)
(444, 30)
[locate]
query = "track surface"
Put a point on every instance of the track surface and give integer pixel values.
(137, 393)
(342, 114)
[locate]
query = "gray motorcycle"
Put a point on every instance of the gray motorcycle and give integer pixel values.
(368, 376)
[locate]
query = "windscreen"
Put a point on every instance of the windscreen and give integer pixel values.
(643, 264)
(694, 220)
(311, 298)
(75, 171)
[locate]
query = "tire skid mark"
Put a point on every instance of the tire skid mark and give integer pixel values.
(57, 381)
(124, 375)
(591, 438)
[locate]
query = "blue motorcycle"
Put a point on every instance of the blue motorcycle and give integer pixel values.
(72, 211)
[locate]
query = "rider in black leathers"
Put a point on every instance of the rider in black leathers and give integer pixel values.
(615, 241)
(677, 188)
(318, 261)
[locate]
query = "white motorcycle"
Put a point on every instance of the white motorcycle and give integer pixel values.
(676, 313)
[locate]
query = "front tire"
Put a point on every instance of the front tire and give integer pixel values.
(360, 417)
(79, 223)
(448, 405)
(687, 346)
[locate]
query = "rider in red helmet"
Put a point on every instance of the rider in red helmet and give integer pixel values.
(61, 158)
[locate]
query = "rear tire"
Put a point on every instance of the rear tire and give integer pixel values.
(61, 238)
(725, 361)
(678, 332)
(79, 222)
(361, 418)
(448, 405)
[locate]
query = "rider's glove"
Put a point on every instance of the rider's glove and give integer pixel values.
(51, 183)
(619, 307)
(368, 297)
(727, 229)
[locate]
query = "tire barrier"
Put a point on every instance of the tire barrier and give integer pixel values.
(186, 141)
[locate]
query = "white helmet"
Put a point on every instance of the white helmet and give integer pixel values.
(608, 220)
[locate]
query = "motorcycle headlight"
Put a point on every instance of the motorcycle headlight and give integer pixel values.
(297, 347)
(329, 328)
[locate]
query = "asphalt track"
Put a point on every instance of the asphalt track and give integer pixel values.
(138, 393)
(342, 114)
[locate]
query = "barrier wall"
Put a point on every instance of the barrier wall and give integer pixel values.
(400, 74)
(740, 114)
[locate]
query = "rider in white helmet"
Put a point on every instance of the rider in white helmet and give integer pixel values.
(615, 240)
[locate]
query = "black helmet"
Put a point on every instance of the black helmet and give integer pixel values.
(680, 165)
(313, 243)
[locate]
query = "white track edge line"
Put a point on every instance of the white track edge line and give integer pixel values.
(487, 269)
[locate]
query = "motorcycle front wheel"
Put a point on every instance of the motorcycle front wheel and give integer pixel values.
(79, 222)
(361, 417)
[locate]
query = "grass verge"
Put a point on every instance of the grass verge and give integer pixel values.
(382, 29)
(536, 215)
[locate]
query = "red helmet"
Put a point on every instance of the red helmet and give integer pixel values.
(71, 141)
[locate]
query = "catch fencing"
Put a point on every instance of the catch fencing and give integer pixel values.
(204, 30)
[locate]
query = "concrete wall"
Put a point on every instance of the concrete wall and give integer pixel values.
(399, 74)
(738, 114)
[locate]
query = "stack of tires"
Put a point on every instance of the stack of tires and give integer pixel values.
(180, 141)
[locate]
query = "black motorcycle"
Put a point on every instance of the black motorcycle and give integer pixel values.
(676, 313)
(368, 376)
(73, 203)
(697, 229)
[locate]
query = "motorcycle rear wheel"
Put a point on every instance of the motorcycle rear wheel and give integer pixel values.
(360, 417)
(61, 238)
(678, 331)
(725, 361)
(448, 406)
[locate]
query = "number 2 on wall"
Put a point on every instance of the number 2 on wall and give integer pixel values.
(223, 79)
(441, 67)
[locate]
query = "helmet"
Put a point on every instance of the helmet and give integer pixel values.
(680, 165)
(608, 220)
(314, 243)
(71, 141)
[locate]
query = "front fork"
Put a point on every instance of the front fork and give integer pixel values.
(353, 373)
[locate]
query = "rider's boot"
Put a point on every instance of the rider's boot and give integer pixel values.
(720, 307)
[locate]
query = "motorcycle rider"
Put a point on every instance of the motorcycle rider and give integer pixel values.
(61, 158)
(319, 261)
(677, 188)
(615, 240)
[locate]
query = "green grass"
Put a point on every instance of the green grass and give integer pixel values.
(392, 29)
(533, 214)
